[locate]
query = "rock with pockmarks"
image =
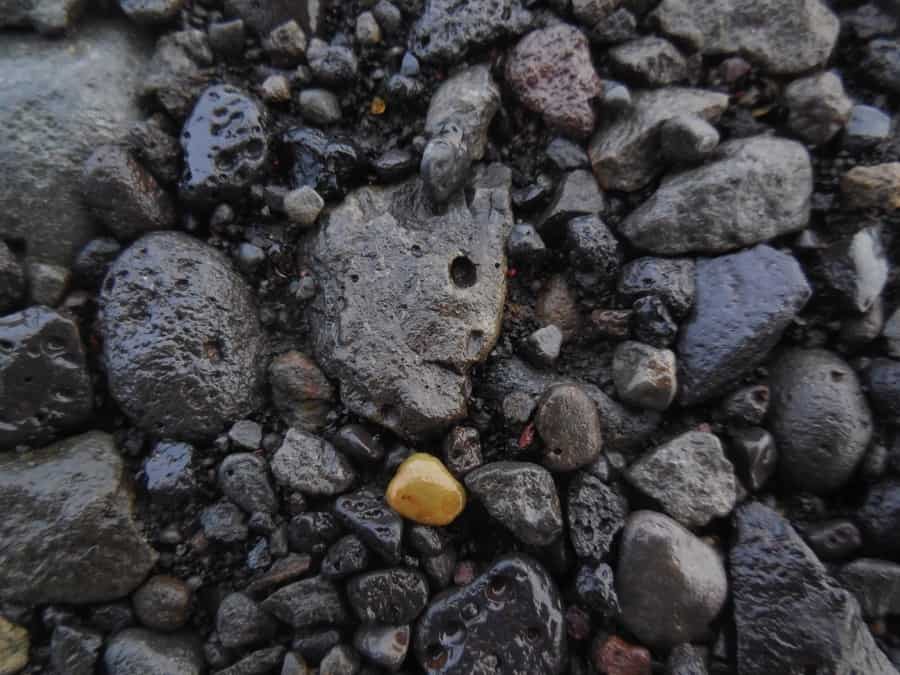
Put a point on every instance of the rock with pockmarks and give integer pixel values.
(433, 288)
(550, 70)
(182, 342)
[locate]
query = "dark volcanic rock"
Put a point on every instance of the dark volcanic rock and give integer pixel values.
(347, 556)
(225, 146)
(241, 622)
(569, 426)
(307, 603)
(262, 17)
(385, 646)
(328, 164)
(672, 279)
(433, 284)
(182, 342)
(380, 527)
(45, 387)
(300, 391)
(168, 474)
(179, 71)
(75, 650)
(744, 303)
(510, 617)
(595, 513)
(879, 520)
(313, 532)
(68, 533)
(311, 465)
(137, 650)
(791, 616)
(244, 478)
(393, 596)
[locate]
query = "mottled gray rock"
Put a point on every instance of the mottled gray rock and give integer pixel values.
(787, 609)
(687, 138)
(240, 622)
(649, 61)
(244, 478)
(594, 251)
(672, 279)
(47, 283)
(856, 268)
(690, 477)
(625, 151)
(818, 107)
(262, 17)
(138, 650)
(447, 30)
(875, 584)
(224, 523)
(433, 284)
(819, 418)
(569, 426)
(307, 603)
(671, 584)
(744, 303)
(300, 391)
(522, 497)
(69, 506)
(881, 63)
(747, 405)
(181, 340)
(319, 106)
(331, 64)
(595, 513)
(754, 190)
(45, 386)
(303, 205)
(644, 376)
(368, 32)
(394, 596)
(179, 71)
(162, 603)
(311, 465)
(576, 195)
(871, 19)
(154, 143)
(786, 37)
(340, 660)
(542, 347)
(567, 155)
(285, 44)
(81, 93)
(686, 659)
(75, 650)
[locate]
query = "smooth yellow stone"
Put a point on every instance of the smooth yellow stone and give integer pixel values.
(424, 491)
(13, 647)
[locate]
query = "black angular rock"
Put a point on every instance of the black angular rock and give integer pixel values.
(510, 617)
(244, 478)
(313, 532)
(92, 262)
(380, 527)
(394, 596)
(346, 557)
(45, 387)
(672, 279)
(754, 452)
(357, 442)
(593, 250)
(307, 603)
(329, 165)
(240, 622)
(834, 539)
(788, 610)
(595, 588)
(652, 322)
(595, 513)
(168, 474)
(224, 523)
(879, 520)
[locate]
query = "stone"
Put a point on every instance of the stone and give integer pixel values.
(49, 17)
(855, 268)
(891, 333)
(756, 189)
(300, 391)
(744, 303)
(875, 584)
(240, 622)
(45, 384)
(390, 19)
(260, 662)
(614, 656)
(754, 452)
(275, 89)
(595, 589)
(556, 305)
(225, 146)
(690, 477)
(644, 376)
(882, 379)
(12, 280)
(576, 194)
(541, 348)
(618, 27)
(818, 107)
(303, 206)
(394, 165)
(785, 38)
(462, 450)
(263, 17)
(368, 32)
(878, 518)
(570, 428)
(649, 61)
(73, 650)
(551, 73)
(437, 261)
(872, 187)
(167, 473)
(311, 465)
(787, 609)
(163, 603)
(307, 603)
(285, 44)
(493, 617)
(178, 319)
(393, 596)
(595, 513)
(594, 250)
(294, 664)
(340, 660)
(381, 529)
(224, 523)
(567, 155)
(313, 532)
(313, 644)
(686, 660)
(246, 435)
(357, 442)
(244, 478)
(138, 650)
(52, 504)
(446, 31)
(47, 283)
(881, 64)
(346, 557)
(332, 64)
(672, 279)
(90, 265)
(319, 106)
(687, 138)
(384, 646)
(179, 71)
(625, 151)
(227, 37)
(81, 90)
(445, 163)
(869, 20)
(671, 585)
(747, 405)
(424, 491)
(866, 128)
(14, 646)
(151, 12)
(819, 418)
(522, 497)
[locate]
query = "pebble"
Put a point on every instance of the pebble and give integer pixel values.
(246, 435)
(577, 194)
(308, 602)
(462, 450)
(818, 107)
(855, 268)
(249, 258)
(644, 376)
(392, 596)
(154, 143)
(615, 656)
(672, 279)
(262, 18)
(567, 155)
(522, 497)
(687, 139)
(671, 585)
(244, 478)
(179, 71)
(594, 251)
(879, 518)
(875, 584)
(285, 44)
(311, 465)
(368, 32)
(747, 405)
(313, 532)
(686, 659)
(381, 529)
(332, 65)
(294, 664)
(260, 662)
(595, 588)
(346, 557)
(569, 426)
(652, 323)
(151, 12)
(384, 646)
(275, 89)
(14, 646)
(241, 623)
(47, 283)
(300, 391)
(137, 650)
(12, 280)
(340, 660)
(224, 523)
(866, 128)
(512, 614)
(319, 106)
(163, 603)
(424, 491)
(390, 19)
(358, 443)
(73, 650)
(227, 37)
(542, 347)
(819, 418)
(285, 570)
(595, 513)
(754, 452)
(313, 644)
(551, 73)
(394, 165)
(445, 163)
(649, 61)
(881, 64)
(882, 379)
(891, 334)
(872, 187)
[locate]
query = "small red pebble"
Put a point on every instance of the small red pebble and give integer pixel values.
(511, 272)
(464, 573)
(527, 436)
(578, 623)
(617, 657)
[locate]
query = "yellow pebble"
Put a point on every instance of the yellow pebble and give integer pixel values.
(378, 106)
(424, 491)
(13, 647)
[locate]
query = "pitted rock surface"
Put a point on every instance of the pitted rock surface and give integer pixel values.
(400, 318)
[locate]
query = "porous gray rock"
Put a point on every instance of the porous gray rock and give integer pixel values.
(649, 61)
(182, 342)
(595, 513)
(311, 465)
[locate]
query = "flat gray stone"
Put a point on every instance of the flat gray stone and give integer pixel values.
(311, 465)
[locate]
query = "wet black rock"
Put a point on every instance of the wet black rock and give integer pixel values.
(595, 588)
(879, 518)
(331, 64)
(462, 450)
(91, 263)
(346, 557)
(834, 539)
(168, 474)
(137, 650)
(447, 30)
(224, 523)
(359, 443)
(307, 603)
(522, 497)
(652, 322)
(70, 506)
(509, 617)
(75, 650)
(394, 165)
(385, 646)
(576, 194)
(225, 146)
(819, 417)
(240, 622)
(744, 303)
(380, 527)
(788, 610)
(753, 451)
(244, 479)
(328, 164)
(311, 465)
(313, 532)
(875, 584)
(570, 428)
(856, 268)
(45, 387)
(672, 279)
(882, 379)
(595, 513)
(162, 603)
(314, 644)
(179, 71)
(671, 584)
(648, 61)
(393, 596)
(182, 344)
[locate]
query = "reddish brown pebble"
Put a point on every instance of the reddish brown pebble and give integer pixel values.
(614, 656)
(464, 573)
